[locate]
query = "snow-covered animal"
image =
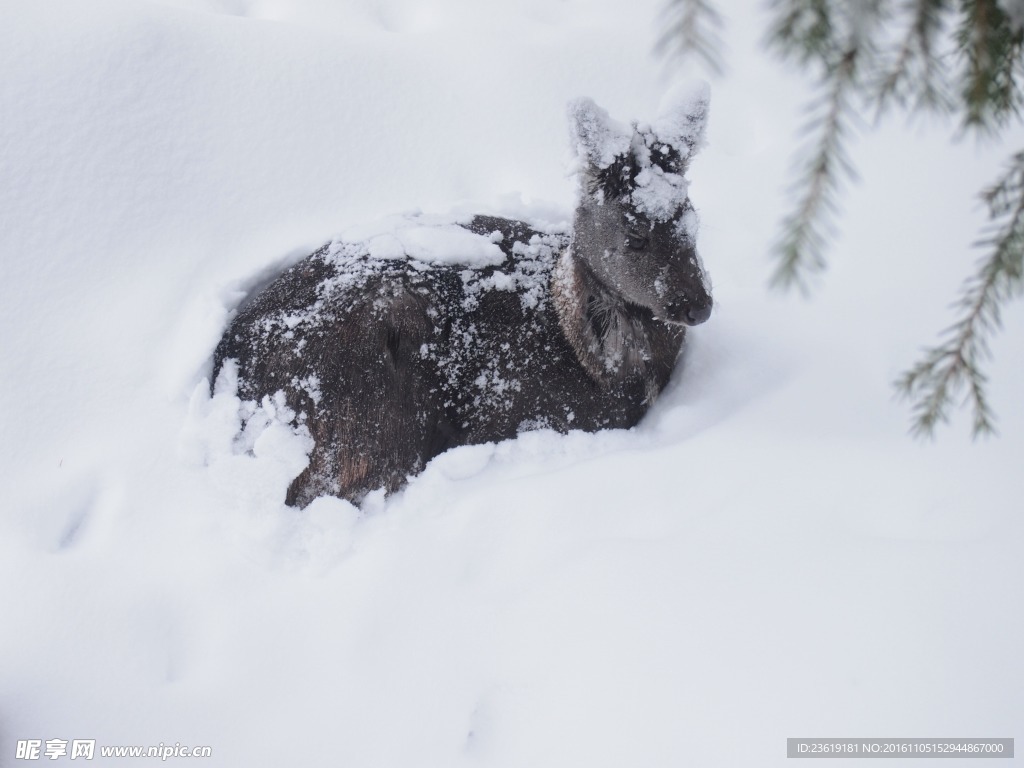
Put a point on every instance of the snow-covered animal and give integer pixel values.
(390, 359)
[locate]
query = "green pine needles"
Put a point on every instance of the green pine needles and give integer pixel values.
(692, 28)
(954, 365)
(962, 59)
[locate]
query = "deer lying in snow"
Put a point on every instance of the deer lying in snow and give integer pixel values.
(390, 359)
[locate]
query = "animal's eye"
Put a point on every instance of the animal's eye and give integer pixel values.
(636, 241)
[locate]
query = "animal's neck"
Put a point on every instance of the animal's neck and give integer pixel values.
(610, 338)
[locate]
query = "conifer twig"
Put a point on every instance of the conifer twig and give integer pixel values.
(800, 249)
(933, 384)
(991, 48)
(692, 27)
(915, 76)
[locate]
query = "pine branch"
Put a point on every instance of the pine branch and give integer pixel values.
(692, 28)
(946, 370)
(805, 232)
(991, 48)
(804, 30)
(837, 38)
(915, 79)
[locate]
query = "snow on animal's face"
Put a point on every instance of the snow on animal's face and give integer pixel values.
(650, 263)
(635, 228)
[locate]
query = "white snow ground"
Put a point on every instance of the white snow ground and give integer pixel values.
(768, 555)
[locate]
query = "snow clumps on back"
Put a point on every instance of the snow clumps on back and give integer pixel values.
(642, 164)
(430, 239)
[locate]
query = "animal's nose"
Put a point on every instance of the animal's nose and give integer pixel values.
(696, 314)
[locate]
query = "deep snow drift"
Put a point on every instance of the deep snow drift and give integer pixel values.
(767, 555)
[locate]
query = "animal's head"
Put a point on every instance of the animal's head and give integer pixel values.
(635, 228)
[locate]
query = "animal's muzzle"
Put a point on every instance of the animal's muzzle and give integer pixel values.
(689, 313)
(697, 314)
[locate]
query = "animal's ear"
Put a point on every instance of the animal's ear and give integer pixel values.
(682, 121)
(597, 140)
